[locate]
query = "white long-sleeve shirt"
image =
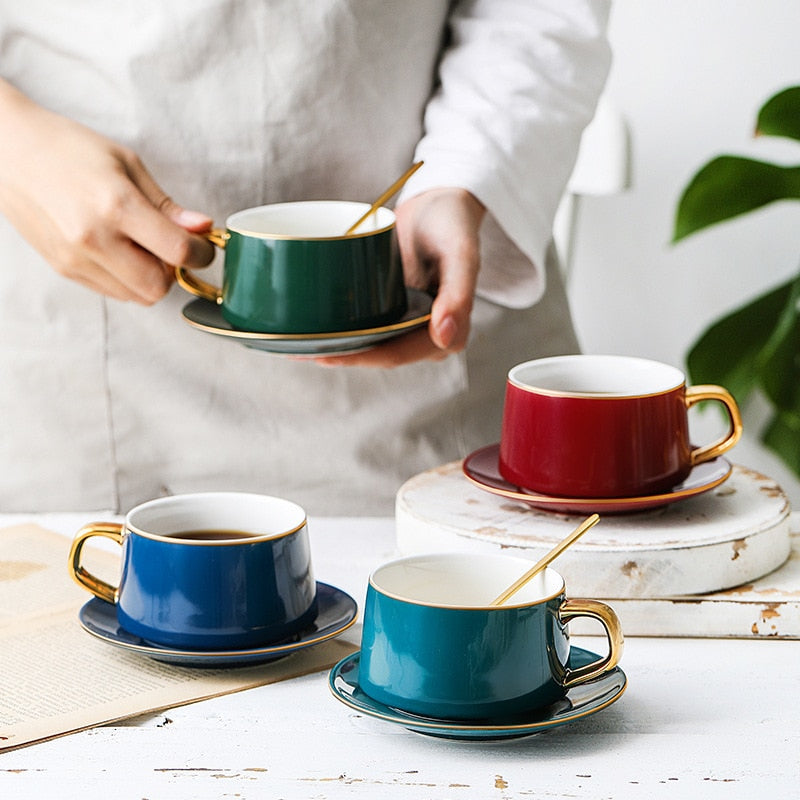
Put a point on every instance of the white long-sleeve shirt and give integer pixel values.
(519, 81)
(235, 104)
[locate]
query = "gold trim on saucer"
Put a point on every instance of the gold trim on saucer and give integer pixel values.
(410, 721)
(299, 337)
(529, 497)
(481, 728)
(586, 504)
(395, 326)
(188, 655)
(210, 655)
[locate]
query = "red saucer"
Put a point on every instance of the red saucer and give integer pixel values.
(482, 469)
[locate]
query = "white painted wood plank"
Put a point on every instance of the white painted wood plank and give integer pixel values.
(727, 537)
(701, 718)
(717, 719)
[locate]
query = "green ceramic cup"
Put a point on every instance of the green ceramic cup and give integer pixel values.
(290, 268)
(434, 645)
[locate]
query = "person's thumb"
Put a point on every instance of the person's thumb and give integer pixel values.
(193, 221)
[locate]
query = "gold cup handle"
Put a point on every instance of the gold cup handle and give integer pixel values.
(196, 286)
(111, 530)
(695, 394)
(609, 620)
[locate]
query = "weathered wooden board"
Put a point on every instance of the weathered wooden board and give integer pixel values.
(714, 565)
(768, 608)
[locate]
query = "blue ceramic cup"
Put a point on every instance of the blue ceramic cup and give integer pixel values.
(433, 645)
(215, 570)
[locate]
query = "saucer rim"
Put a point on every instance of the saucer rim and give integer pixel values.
(405, 322)
(582, 503)
(445, 726)
(187, 655)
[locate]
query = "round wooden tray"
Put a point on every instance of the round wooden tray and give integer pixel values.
(728, 536)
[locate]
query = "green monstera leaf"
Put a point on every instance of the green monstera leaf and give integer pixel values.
(779, 115)
(782, 436)
(730, 186)
(757, 345)
(729, 352)
(779, 362)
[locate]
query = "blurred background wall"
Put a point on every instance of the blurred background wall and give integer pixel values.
(689, 77)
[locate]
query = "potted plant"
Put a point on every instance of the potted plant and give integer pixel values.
(756, 346)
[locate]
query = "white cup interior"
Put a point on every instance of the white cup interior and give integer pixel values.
(593, 375)
(463, 580)
(312, 219)
(257, 516)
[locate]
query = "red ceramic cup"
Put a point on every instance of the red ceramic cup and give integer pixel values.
(603, 426)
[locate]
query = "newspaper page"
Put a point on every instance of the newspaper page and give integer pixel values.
(56, 679)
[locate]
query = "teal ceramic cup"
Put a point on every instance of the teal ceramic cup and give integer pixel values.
(208, 571)
(290, 268)
(433, 645)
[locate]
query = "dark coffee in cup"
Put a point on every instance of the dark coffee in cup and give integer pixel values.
(214, 570)
(211, 535)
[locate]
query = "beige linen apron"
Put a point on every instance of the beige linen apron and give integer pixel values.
(105, 404)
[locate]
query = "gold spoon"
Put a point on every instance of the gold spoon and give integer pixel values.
(393, 189)
(543, 562)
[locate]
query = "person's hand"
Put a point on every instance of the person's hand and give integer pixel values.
(437, 232)
(90, 207)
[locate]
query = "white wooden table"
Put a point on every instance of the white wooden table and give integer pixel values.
(701, 718)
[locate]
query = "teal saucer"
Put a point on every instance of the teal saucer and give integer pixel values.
(581, 701)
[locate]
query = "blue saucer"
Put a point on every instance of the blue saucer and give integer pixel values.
(581, 701)
(337, 612)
